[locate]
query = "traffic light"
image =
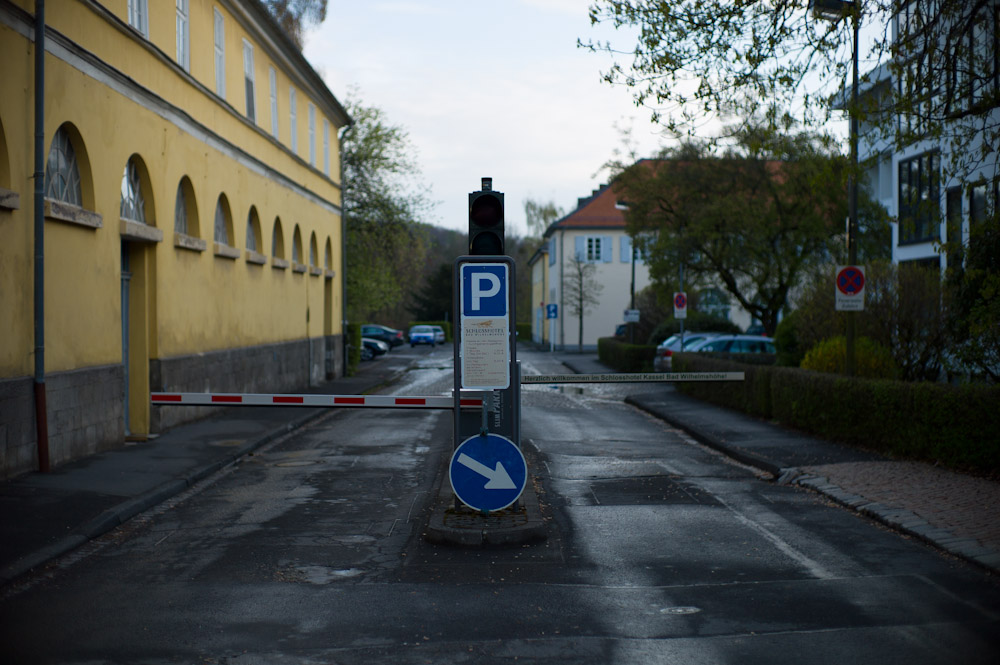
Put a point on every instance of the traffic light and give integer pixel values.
(486, 221)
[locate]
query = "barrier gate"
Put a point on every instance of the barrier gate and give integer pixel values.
(487, 471)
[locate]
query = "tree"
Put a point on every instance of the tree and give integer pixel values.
(382, 205)
(433, 302)
(539, 216)
(581, 291)
(755, 221)
(295, 15)
(975, 288)
(696, 59)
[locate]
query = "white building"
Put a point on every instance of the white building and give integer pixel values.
(935, 187)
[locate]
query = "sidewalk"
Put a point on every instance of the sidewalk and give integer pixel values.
(957, 513)
(47, 515)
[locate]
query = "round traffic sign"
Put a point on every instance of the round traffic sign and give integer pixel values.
(850, 281)
(680, 301)
(488, 472)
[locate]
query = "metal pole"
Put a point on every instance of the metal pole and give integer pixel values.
(852, 225)
(41, 417)
(631, 326)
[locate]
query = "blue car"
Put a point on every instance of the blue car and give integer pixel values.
(422, 335)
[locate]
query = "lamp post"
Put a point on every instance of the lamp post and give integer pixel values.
(835, 10)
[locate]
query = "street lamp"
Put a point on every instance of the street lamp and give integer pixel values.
(835, 10)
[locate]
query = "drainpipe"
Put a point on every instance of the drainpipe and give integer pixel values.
(41, 416)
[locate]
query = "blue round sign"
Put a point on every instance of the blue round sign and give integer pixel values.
(488, 472)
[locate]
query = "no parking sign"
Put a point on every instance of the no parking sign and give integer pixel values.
(850, 289)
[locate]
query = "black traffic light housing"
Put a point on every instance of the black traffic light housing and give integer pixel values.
(486, 221)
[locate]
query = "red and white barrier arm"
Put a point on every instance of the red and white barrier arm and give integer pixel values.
(356, 401)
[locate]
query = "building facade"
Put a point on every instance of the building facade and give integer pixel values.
(937, 182)
(594, 232)
(191, 215)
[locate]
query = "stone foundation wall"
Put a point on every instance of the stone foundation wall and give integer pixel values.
(85, 416)
(270, 368)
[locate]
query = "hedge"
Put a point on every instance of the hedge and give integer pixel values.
(624, 357)
(957, 426)
(353, 348)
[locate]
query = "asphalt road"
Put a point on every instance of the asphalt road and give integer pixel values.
(658, 551)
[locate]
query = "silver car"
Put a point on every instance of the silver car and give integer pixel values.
(663, 361)
(735, 344)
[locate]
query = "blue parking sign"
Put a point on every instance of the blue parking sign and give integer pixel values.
(484, 289)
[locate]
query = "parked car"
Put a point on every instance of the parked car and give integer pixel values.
(390, 336)
(735, 344)
(423, 335)
(372, 348)
(663, 361)
(439, 335)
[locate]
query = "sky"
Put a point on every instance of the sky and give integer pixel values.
(495, 89)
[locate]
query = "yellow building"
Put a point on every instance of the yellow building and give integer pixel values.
(192, 217)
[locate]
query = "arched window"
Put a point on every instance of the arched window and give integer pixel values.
(277, 240)
(180, 212)
(133, 205)
(297, 245)
(223, 222)
(253, 230)
(62, 175)
(327, 255)
(312, 250)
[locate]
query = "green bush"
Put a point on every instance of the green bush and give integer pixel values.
(955, 426)
(523, 332)
(871, 359)
(353, 348)
(786, 341)
(624, 357)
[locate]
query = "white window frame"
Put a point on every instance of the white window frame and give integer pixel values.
(183, 35)
(326, 147)
(219, 39)
(249, 81)
(293, 135)
(138, 16)
(272, 77)
(312, 134)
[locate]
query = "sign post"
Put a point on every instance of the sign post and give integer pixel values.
(552, 313)
(850, 289)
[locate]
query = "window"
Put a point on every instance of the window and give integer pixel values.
(277, 240)
(180, 211)
(272, 78)
(326, 147)
(133, 205)
(953, 228)
(253, 230)
(919, 198)
(183, 35)
(220, 55)
(977, 204)
(138, 16)
(222, 223)
(296, 245)
(248, 79)
(62, 175)
(293, 137)
(312, 250)
(593, 249)
(312, 135)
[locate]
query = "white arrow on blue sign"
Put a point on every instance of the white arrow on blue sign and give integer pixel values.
(488, 472)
